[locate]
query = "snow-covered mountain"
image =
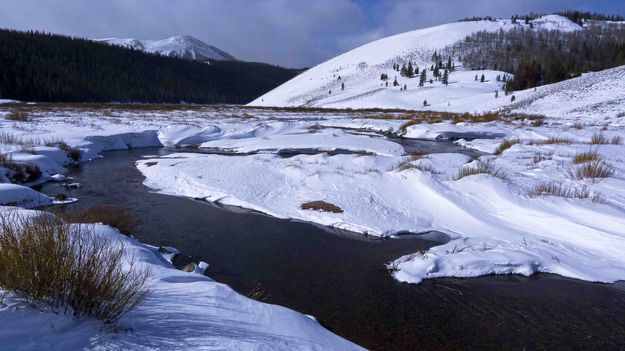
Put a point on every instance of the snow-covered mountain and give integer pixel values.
(183, 46)
(353, 78)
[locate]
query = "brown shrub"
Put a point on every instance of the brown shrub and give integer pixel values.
(110, 215)
(45, 260)
(321, 206)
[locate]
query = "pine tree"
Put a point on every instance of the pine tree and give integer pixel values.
(483, 79)
(342, 86)
(476, 77)
(512, 98)
(395, 83)
(404, 71)
(405, 87)
(410, 70)
(446, 77)
(449, 63)
(422, 78)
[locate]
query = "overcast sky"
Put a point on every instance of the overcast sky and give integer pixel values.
(292, 33)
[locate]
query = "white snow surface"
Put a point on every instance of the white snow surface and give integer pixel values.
(184, 311)
(360, 70)
(495, 225)
(182, 46)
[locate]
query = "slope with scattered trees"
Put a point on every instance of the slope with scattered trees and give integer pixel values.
(580, 16)
(542, 57)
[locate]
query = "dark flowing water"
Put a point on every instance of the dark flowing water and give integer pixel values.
(340, 277)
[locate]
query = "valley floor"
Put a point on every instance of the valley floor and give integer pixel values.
(542, 195)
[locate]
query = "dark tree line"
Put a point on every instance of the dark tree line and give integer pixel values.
(542, 57)
(45, 67)
(579, 16)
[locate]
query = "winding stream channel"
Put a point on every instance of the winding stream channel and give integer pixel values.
(341, 279)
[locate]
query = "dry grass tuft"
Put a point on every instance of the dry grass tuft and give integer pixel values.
(258, 293)
(8, 138)
(539, 157)
(72, 152)
(505, 145)
(20, 172)
(600, 139)
(586, 157)
(481, 168)
(110, 215)
(68, 267)
(593, 170)
(553, 141)
(537, 122)
(17, 116)
(557, 189)
(321, 206)
(417, 155)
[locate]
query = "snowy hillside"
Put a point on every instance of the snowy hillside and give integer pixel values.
(360, 70)
(598, 94)
(183, 46)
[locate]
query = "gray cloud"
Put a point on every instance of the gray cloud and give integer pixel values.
(292, 33)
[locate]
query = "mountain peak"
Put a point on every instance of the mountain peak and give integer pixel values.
(182, 46)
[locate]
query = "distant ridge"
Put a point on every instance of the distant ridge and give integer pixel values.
(181, 46)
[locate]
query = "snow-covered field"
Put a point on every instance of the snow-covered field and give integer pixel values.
(359, 70)
(505, 224)
(498, 225)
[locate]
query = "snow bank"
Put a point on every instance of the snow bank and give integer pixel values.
(495, 225)
(18, 195)
(183, 311)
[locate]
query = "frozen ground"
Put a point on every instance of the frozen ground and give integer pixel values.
(185, 311)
